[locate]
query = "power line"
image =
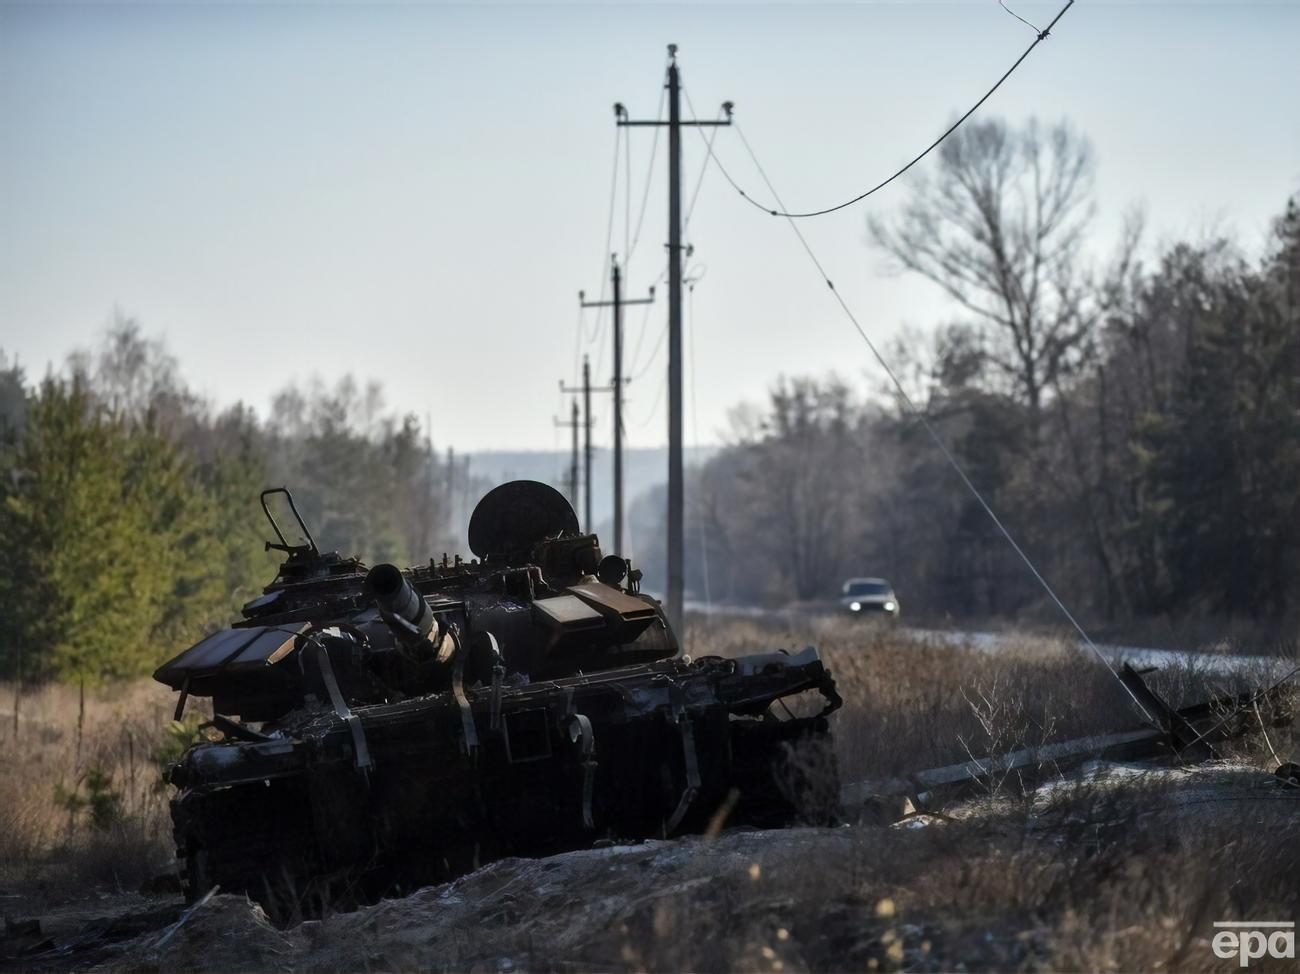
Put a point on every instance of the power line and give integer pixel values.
(577, 343)
(654, 353)
(627, 194)
(780, 210)
(919, 415)
(695, 432)
(691, 278)
(654, 406)
(613, 196)
(599, 357)
(597, 321)
(641, 333)
(645, 319)
(649, 174)
(609, 235)
(704, 165)
(1032, 27)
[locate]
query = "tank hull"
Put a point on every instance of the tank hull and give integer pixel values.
(300, 823)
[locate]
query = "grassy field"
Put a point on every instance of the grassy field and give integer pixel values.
(913, 703)
(1121, 876)
(82, 806)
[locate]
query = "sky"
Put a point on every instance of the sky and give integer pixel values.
(416, 193)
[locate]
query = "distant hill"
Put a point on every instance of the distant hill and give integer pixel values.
(643, 469)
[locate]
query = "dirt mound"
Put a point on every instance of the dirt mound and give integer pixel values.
(222, 933)
(699, 903)
(1002, 882)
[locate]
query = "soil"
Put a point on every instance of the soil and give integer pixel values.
(859, 897)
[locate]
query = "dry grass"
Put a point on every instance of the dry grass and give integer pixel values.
(1105, 880)
(52, 851)
(912, 703)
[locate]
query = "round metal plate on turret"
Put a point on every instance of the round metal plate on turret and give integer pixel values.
(612, 570)
(513, 518)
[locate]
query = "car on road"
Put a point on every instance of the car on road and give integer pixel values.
(870, 597)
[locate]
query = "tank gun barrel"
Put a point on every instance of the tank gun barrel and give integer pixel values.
(402, 607)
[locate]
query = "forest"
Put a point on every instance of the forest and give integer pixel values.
(129, 504)
(1133, 419)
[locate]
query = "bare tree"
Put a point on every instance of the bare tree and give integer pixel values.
(998, 227)
(798, 485)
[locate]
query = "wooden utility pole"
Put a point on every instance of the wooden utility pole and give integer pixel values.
(574, 424)
(586, 389)
(676, 493)
(617, 387)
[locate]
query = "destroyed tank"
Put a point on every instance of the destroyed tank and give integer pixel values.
(375, 730)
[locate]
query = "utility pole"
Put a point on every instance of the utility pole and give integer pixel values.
(586, 389)
(617, 387)
(573, 424)
(676, 492)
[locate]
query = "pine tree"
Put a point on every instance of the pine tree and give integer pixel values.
(109, 546)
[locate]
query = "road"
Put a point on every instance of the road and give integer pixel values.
(1267, 667)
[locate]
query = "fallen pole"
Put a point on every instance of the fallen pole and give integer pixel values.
(923, 782)
(1185, 733)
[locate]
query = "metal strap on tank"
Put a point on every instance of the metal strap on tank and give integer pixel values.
(581, 734)
(342, 709)
(180, 704)
(687, 730)
(498, 679)
(458, 690)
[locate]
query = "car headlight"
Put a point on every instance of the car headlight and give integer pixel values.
(890, 606)
(855, 606)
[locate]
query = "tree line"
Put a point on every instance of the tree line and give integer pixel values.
(1133, 420)
(129, 509)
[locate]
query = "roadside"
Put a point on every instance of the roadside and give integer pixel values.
(1046, 871)
(1218, 655)
(1120, 867)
